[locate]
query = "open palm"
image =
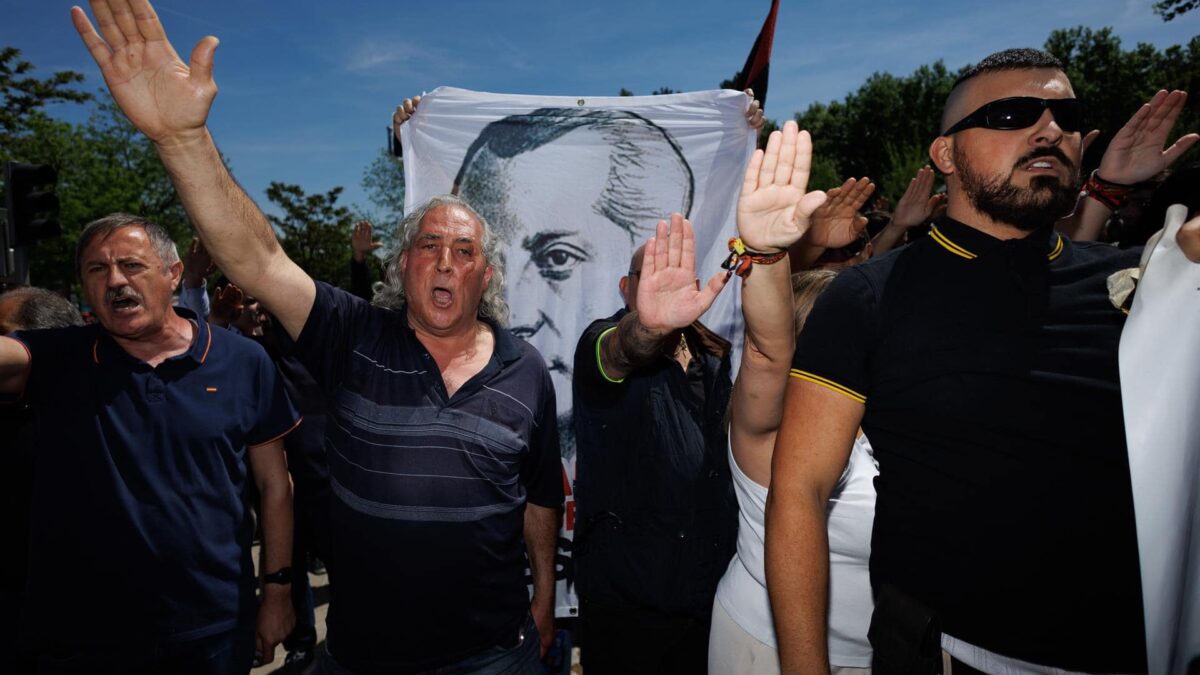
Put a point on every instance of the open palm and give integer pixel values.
(669, 295)
(166, 99)
(774, 208)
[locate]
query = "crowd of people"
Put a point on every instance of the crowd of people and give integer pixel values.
(920, 465)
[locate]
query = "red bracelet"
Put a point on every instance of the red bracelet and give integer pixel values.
(1111, 195)
(741, 258)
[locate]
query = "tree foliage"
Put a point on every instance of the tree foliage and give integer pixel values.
(314, 231)
(25, 97)
(1169, 9)
(383, 181)
(884, 128)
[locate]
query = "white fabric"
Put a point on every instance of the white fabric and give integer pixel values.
(733, 651)
(995, 664)
(1160, 390)
(563, 253)
(742, 592)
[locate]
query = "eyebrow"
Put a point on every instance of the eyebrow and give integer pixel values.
(433, 236)
(540, 239)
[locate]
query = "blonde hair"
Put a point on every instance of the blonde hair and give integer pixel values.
(806, 286)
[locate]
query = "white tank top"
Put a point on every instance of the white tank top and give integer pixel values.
(742, 592)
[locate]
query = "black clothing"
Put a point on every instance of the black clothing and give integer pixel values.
(989, 373)
(657, 518)
(429, 490)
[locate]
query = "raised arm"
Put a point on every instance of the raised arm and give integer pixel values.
(774, 211)
(835, 223)
(914, 208)
(169, 101)
(1137, 153)
(669, 297)
(812, 448)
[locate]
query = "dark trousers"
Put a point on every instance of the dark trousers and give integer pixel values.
(229, 653)
(622, 641)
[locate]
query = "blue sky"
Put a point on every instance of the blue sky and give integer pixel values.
(307, 87)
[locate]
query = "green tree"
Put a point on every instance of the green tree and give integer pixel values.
(104, 166)
(23, 97)
(1169, 9)
(878, 131)
(314, 231)
(1114, 82)
(383, 181)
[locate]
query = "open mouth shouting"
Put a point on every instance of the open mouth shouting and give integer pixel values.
(442, 297)
(123, 301)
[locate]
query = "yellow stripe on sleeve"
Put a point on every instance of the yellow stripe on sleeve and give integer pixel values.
(828, 384)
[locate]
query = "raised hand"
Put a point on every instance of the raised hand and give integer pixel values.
(1136, 153)
(837, 222)
(197, 264)
(227, 305)
(361, 240)
(166, 99)
(754, 114)
(669, 295)
(916, 206)
(404, 111)
(774, 207)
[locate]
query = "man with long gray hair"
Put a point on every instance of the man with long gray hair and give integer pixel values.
(441, 435)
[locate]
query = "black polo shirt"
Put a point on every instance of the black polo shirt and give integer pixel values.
(989, 373)
(656, 523)
(140, 533)
(429, 490)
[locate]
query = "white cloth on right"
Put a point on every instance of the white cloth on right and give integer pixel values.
(742, 592)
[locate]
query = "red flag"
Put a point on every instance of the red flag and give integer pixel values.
(758, 64)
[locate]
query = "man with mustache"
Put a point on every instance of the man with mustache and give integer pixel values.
(150, 425)
(982, 363)
(441, 433)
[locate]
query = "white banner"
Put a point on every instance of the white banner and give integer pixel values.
(1160, 388)
(573, 185)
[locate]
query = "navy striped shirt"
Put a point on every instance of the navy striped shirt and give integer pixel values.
(429, 489)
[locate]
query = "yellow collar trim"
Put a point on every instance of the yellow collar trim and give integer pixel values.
(961, 252)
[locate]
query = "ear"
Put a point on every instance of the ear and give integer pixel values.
(623, 285)
(403, 261)
(868, 251)
(487, 276)
(941, 153)
(175, 271)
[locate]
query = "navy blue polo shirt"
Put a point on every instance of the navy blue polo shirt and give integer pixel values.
(429, 490)
(989, 373)
(140, 531)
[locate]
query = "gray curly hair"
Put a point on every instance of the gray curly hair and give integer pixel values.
(390, 292)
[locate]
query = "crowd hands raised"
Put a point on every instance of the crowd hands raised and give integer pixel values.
(799, 413)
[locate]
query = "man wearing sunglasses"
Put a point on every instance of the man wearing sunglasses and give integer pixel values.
(982, 363)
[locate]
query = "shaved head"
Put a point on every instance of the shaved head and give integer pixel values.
(958, 103)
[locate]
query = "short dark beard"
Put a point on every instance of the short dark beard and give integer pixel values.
(1045, 201)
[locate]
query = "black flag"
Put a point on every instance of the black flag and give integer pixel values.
(758, 64)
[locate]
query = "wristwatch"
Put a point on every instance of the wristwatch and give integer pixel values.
(282, 577)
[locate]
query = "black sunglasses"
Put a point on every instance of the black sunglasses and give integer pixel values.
(1021, 112)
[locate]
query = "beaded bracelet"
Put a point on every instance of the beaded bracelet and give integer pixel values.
(1111, 195)
(741, 258)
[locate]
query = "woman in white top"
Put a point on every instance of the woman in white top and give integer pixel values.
(774, 212)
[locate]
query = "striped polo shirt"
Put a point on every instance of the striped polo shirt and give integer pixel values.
(429, 489)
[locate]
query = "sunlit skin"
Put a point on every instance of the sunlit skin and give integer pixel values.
(445, 273)
(998, 153)
(129, 290)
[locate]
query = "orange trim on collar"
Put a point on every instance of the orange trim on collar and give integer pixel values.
(95, 354)
(207, 346)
